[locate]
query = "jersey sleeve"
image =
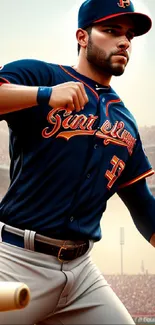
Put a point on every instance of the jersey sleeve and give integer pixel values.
(137, 167)
(28, 72)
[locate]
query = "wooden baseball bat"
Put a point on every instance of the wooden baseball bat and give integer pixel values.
(13, 295)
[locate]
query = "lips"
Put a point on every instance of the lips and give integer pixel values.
(123, 53)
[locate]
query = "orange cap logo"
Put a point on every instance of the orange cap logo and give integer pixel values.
(124, 3)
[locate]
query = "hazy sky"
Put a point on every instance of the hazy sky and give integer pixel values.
(45, 29)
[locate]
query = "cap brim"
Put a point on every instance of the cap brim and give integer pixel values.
(142, 22)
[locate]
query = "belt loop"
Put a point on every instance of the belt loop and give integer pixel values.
(1, 228)
(31, 240)
(27, 239)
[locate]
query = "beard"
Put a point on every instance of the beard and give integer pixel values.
(103, 62)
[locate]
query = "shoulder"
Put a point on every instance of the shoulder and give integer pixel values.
(30, 72)
(28, 64)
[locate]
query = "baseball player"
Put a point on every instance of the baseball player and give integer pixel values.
(73, 144)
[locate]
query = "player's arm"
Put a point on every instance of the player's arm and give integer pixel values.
(27, 83)
(141, 204)
(71, 95)
(16, 97)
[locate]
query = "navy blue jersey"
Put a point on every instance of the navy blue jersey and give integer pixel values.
(66, 165)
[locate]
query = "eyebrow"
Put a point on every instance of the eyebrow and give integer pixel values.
(111, 25)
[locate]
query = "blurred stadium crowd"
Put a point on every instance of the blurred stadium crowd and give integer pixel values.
(148, 140)
(137, 292)
(4, 156)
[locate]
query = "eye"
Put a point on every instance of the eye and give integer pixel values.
(109, 30)
(130, 36)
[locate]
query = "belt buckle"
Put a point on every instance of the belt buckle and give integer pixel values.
(80, 251)
(59, 254)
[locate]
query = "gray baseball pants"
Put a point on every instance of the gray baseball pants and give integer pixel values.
(61, 293)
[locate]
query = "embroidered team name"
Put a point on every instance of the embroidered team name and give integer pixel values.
(75, 125)
(124, 3)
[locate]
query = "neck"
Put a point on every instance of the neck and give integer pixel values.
(90, 71)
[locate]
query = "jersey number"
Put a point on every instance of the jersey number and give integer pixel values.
(118, 167)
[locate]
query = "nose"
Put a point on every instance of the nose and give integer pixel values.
(123, 43)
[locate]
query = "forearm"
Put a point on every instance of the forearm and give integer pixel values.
(141, 204)
(16, 97)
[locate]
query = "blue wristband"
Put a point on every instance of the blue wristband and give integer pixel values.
(43, 95)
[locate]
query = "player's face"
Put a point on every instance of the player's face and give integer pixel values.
(109, 45)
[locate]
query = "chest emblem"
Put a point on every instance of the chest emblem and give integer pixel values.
(64, 124)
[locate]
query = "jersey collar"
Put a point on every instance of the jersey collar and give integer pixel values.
(95, 87)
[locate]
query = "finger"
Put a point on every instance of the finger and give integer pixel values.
(84, 94)
(76, 101)
(80, 98)
(70, 105)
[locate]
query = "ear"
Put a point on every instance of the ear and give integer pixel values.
(82, 37)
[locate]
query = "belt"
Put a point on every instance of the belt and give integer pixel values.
(64, 250)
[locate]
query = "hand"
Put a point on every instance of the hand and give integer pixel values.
(71, 95)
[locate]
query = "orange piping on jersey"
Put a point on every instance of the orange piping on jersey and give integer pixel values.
(5, 81)
(93, 91)
(110, 102)
(148, 173)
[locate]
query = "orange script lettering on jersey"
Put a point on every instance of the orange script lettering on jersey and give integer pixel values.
(80, 124)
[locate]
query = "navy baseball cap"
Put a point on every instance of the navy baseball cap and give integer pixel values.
(95, 11)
